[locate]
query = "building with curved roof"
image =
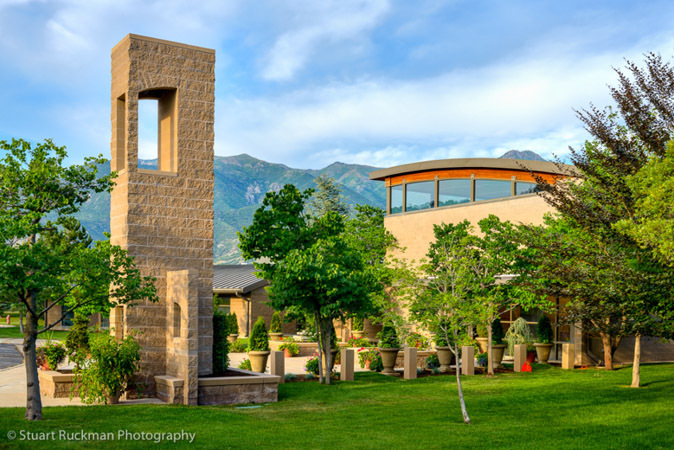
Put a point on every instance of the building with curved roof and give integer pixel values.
(422, 194)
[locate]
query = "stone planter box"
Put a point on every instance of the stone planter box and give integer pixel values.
(306, 348)
(250, 387)
(55, 384)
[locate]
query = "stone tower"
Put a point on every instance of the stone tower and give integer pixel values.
(164, 217)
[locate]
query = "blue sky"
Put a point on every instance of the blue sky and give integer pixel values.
(307, 83)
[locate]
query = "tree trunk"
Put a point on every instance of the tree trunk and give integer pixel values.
(21, 328)
(327, 354)
(464, 412)
(636, 376)
(319, 334)
(608, 351)
(490, 361)
(33, 399)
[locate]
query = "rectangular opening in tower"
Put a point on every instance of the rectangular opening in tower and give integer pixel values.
(157, 129)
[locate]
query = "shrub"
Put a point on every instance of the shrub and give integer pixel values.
(310, 376)
(232, 324)
(432, 361)
(53, 353)
(482, 359)
(497, 334)
(388, 338)
(440, 340)
(245, 365)
(544, 330)
(518, 333)
(357, 324)
(238, 346)
(112, 366)
(481, 331)
(312, 365)
(259, 339)
(290, 377)
(417, 340)
(77, 340)
(292, 348)
(220, 344)
(276, 324)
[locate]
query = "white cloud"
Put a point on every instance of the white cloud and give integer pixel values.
(522, 104)
(322, 23)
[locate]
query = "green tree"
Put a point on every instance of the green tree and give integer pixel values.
(43, 263)
(310, 265)
(494, 255)
(440, 297)
(601, 199)
(327, 197)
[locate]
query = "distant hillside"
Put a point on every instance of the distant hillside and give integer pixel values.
(241, 183)
(522, 154)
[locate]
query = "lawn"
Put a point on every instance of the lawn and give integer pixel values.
(15, 332)
(548, 408)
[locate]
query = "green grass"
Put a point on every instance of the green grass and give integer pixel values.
(15, 333)
(548, 408)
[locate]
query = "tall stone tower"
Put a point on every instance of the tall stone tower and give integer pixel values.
(164, 217)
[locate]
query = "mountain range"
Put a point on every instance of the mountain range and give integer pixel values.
(241, 183)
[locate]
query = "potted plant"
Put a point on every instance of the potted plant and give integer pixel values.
(77, 340)
(50, 355)
(519, 333)
(482, 338)
(444, 352)
(290, 349)
(276, 327)
(233, 326)
(416, 340)
(357, 327)
(258, 346)
(366, 356)
(497, 345)
(106, 375)
(389, 345)
(544, 341)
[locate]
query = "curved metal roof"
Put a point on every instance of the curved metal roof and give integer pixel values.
(475, 163)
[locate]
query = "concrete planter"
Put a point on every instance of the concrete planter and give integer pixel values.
(388, 359)
(250, 387)
(445, 358)
(482, 343)
(543, 352)
(56, 384)
(358, 334)
(276, 336)
(497, 352)
(258, 361)
(232, 338)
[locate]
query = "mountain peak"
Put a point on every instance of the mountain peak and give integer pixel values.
(522, 154)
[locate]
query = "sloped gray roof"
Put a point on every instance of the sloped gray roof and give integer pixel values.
(235, 279)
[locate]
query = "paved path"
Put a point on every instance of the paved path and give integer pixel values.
(10, 356)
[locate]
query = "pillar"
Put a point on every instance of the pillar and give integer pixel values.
(468, 360)
(347, 365)
(568, 356)
(277, 365)
(520, 357)
(410, 363)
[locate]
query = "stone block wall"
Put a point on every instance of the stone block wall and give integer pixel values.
(164, 218)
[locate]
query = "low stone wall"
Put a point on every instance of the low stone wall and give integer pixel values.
(250, 387)
(169, 389)
(306, 348)
(55, 384)
(421, 358)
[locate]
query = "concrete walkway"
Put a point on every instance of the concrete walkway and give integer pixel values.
(10, 356)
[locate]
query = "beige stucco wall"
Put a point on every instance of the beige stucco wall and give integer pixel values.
(414, 230)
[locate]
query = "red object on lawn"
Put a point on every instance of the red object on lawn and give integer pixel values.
(526, 367)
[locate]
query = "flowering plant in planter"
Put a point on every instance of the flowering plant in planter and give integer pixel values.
(50, 355)
(290, 348)
(312, 365)
(368, 357)
(417, 340)
(357, 342)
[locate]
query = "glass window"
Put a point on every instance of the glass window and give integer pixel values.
(491, 189)
(525, 188)
(397, 199)
(453, 192)
(420, 196)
